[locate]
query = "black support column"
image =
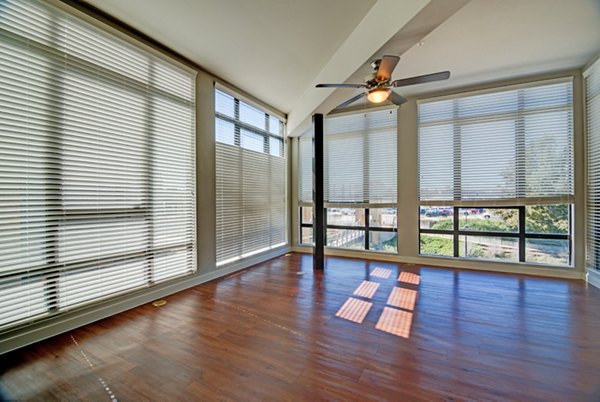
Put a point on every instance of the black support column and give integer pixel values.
(318, 194)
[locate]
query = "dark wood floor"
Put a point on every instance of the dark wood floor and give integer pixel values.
(268, 333)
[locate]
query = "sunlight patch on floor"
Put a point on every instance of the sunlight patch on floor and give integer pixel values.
(410, 278)
(403, 298)
(354, 310)
(366, 289)
(381, 273)
(395, 322)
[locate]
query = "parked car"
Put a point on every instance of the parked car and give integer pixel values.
(436, 212)
(472, 211)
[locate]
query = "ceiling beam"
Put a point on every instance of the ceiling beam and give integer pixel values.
(381, 23)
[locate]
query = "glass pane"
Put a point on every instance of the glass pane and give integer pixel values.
(224, 103)
(436, 244)
(346, 217)
(547, 251)
(252, 116)
(489, 247)
(307, 236)
(225, 132)
(489, 220)
(439, 218)
(275, 146)
(306, 215)
(383, 241)
(547, 218)
(382, 217)
(487, 159)
(275, 125)
(343, 238)
(252, 141)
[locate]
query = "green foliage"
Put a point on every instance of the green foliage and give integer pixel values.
(475, 250)
(444, 224)
(387, 245)
(486, 225)
(539, 218)
(435, 245)
(478, 224)
(547, 218)
(509, 217)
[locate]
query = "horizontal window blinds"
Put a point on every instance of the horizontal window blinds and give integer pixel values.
(305, 168)
(360, 158)
(592, 103)
(96, 165)
(513, 144)
(251, 175)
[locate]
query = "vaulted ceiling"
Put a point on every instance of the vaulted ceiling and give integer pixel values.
(277, 50)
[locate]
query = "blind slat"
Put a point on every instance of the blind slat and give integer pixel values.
(360, 158)
(251, 173)
(592, 104)
(514, 144)
(97, 162)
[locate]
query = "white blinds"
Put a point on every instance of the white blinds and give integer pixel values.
(96, 164)
(592, 102)
(360, 158)
(305, 173)
(514, 145)
(251, 180)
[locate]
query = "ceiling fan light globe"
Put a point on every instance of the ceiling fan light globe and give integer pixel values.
(378, 95)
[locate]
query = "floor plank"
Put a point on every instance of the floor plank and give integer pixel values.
(268, 333)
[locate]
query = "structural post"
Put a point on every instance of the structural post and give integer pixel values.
(318, 194)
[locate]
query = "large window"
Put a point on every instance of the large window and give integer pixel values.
(354, 228)
(251, 180)
(592, 100)
(496, 174)
(96, 165)
(360, 181)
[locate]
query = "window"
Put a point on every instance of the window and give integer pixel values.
(251, 180)
(360, 181)
(496, 174)
(532, 233)
(592, 102)
(97, 165)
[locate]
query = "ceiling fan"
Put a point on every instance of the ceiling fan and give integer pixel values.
(379, 85)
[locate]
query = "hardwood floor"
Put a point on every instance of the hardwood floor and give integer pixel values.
(269, 333)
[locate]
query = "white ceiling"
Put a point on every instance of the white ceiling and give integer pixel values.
(490, 40)
(276, 50)
(271, 49)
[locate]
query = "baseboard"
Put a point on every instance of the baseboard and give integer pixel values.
(593, 277)
(53, 326)
(447, 262)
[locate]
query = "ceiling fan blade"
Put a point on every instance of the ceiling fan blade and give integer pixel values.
(422, 79)
(397, 99)
(351, 100)
(341, 86)
(387, 65)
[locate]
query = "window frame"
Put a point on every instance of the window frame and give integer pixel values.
(521, 234)
(53, 272)
(267, 136)
(239, 125)
(367, 228)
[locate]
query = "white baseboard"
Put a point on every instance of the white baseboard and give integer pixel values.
(68, 321)
(593, 277)
(460, 263)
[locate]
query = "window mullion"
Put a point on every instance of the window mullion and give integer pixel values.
(520, 173)
(150, 205)
(522, 236)
(52, 232)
